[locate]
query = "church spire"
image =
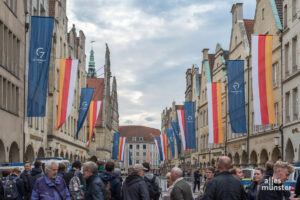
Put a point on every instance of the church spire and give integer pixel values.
(92, 69)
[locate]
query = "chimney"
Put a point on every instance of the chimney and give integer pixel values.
(237, 12)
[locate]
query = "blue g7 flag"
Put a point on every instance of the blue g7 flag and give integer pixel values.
(189, 119)
(236, 96)
(115, 152)
(161, 157)
(130, 159)
(39, 57)
(85, 100)
(175, 127)
(171, 141)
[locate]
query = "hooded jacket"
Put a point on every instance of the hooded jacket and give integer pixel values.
(135, 188)
(35, 174)
(115, 184)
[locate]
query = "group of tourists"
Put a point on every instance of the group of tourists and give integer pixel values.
(225, 182)
(53, 182)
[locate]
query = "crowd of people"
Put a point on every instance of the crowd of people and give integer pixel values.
(225, 182)
(102, 181)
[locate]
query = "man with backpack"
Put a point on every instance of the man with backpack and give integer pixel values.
(112, 183)
(13, 186)
(152, 182)
(75, 181)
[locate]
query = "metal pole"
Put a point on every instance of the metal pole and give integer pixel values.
(248, 132)
(226, 96)
(281, 126)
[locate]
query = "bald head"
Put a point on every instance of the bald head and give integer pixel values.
(224, 163)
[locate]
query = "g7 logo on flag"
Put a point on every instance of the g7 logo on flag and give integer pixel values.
(83, 106)
(40, 54)
(235, 87)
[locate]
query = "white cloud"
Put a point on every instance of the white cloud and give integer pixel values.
(152, 43)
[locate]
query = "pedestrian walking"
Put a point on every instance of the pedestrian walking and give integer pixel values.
(36, 172)
(197, 179)
(135, 187)
(269, 169)
(112, 183)
(237, 173)
(75, 181)
(61, 169)
(152, 183)
(13, 186)
(209, 174)
(118, 174)
(273, 188)
(50, 186)
(224, 186)
(181, 189)
(252, 190)
(26, 177)
(167, 195)
(95, 187)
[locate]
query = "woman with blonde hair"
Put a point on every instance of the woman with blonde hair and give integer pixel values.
(167, 195)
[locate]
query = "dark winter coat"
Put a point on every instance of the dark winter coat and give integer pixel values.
(35, 174)
(68, 176)
(181, 191)
(224, 187)
(135, 188)
(297, 192)
(197, 176)
(115, 184)
(95, 188)
(44, 189)
(26, 177)
(252, 191)
(1, 191)
(267, 192)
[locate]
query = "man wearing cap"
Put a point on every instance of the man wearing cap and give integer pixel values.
(134, 187)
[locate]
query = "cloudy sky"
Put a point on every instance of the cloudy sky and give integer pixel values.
(152, 43)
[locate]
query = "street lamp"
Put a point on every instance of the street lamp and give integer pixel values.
(276, 141)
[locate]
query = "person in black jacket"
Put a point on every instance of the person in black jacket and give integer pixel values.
(95, 187)
(252, 189)
(110, 178)
(224, 186)
(26, 177)
(197, 179)
(36, 172)
(135, 187)
(269, 169)
(297, 191)
(76, 167)
(273, 188)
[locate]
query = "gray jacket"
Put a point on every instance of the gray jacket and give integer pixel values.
(181, 190)
(95, 188)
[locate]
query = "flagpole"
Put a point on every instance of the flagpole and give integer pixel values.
(248, 132)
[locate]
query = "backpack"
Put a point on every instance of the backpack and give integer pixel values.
(10, 188)
(75, 189)
(107, 190)
(154, 189)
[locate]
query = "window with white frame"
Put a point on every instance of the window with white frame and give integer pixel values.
(36, 123)
(42, 124)
(276, 115)
(287, 107)
(295, 104)
(253, 124)
(294, 54)
(274, 71)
